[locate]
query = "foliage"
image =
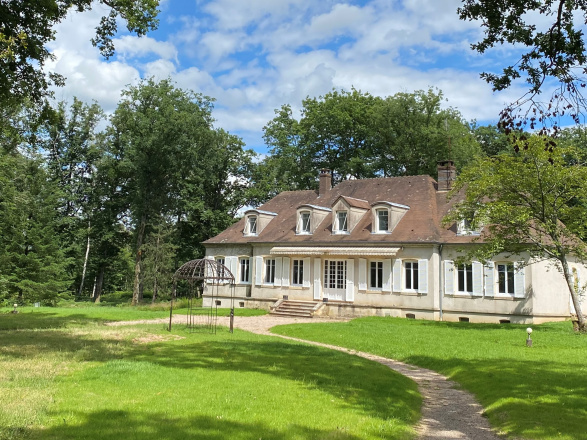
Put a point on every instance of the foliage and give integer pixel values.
(552, 38)
(357, 135)
(538, 393)
(28, 26)
(116, 382)
(531, 201)
(32, 261)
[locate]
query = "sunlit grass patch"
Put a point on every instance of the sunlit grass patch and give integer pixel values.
(532, 393)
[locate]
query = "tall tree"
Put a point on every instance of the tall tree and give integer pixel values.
(531, 201)
(360, 136)
(31, 258)
(552, 35)
(26, 27)
(177, 165)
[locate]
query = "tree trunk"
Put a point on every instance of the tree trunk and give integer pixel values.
(571, 285)
(155, 269)
(81, 284)
(99, 284)
(136, 292)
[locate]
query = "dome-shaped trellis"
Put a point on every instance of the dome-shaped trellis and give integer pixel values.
(211, 274)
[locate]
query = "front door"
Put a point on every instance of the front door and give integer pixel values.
(335, 273)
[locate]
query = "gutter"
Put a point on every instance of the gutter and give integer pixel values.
(440, 282)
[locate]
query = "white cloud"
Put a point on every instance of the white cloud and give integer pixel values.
(132, 46)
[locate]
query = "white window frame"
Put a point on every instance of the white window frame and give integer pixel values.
(269, 270)
(305, 228)
(344, 228)
(379, 277)
(222, 260)
(297, 279)
(507, 280)
(248, 229)
(467, 273)
(244, 277)
(378, 228)
(338, 276)
(411, 275)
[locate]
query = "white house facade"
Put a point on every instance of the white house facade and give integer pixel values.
(378, 247)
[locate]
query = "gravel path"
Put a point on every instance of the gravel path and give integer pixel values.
(447, 412)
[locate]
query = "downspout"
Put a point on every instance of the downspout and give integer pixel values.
(440, 282)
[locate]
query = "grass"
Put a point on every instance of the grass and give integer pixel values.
(79, 379)
(61, 317)
(531, 393)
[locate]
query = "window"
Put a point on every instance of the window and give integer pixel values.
(341, 221)
(297, 272)
(382, 220)
(252, 225)
(465, 278)
(245, 267)
(376, 275)
(220, 261)
(269, 271)
(505, 278)
(334, 274)
(411, 275)
(305, 223)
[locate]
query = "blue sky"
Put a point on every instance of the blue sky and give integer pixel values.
(253, 56)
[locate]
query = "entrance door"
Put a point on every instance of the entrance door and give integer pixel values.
(335, 273)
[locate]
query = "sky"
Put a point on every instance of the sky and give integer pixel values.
(254, 56)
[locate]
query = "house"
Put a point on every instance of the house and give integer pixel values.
(378, 247)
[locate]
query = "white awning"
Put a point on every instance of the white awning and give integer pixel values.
(346, 251)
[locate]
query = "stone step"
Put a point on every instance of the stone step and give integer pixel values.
(295, 308)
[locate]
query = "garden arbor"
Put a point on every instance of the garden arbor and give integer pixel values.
(209, 274)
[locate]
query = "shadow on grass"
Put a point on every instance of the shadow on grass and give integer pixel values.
(366, 386)
(370, 386)
(116, 425)
(43, 320)
(544, 399)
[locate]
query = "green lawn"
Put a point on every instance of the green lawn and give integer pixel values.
(532, 393)
(64, 375)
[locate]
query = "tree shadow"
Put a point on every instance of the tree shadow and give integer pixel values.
(43, 320)
(116, 425)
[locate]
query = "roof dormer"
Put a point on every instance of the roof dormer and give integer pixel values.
(308, 217)
(346, 213)
(386, 216)
(256, 220)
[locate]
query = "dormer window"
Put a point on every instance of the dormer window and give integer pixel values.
(386, 216)
(341, 222)
(256, 220)
(382, 220)
(251, 225)
(305, 223)
(467, 226)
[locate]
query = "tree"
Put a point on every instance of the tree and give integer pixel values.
(26, 27)
(553, 50)
(32, 262)
(357, 135)
(176, 166)
(531, 201)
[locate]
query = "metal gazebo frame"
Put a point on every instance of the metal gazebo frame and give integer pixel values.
(212, 274)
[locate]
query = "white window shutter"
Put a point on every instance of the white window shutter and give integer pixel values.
(519, 281)
(477, 278)
(362, 274)
(386, 285)
(422, 276)
(306, 272)
(490, 278)
(278, 271)
(317, 277)
(258, 270)
(397, 275)
(350, 280)
(232, 264)
(285, 272)
(449, 277)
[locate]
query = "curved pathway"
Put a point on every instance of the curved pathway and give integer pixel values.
(447, 412)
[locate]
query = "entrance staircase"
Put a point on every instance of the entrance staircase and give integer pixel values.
(300, 309)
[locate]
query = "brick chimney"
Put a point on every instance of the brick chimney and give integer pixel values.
(447, 174)
(325, 182)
